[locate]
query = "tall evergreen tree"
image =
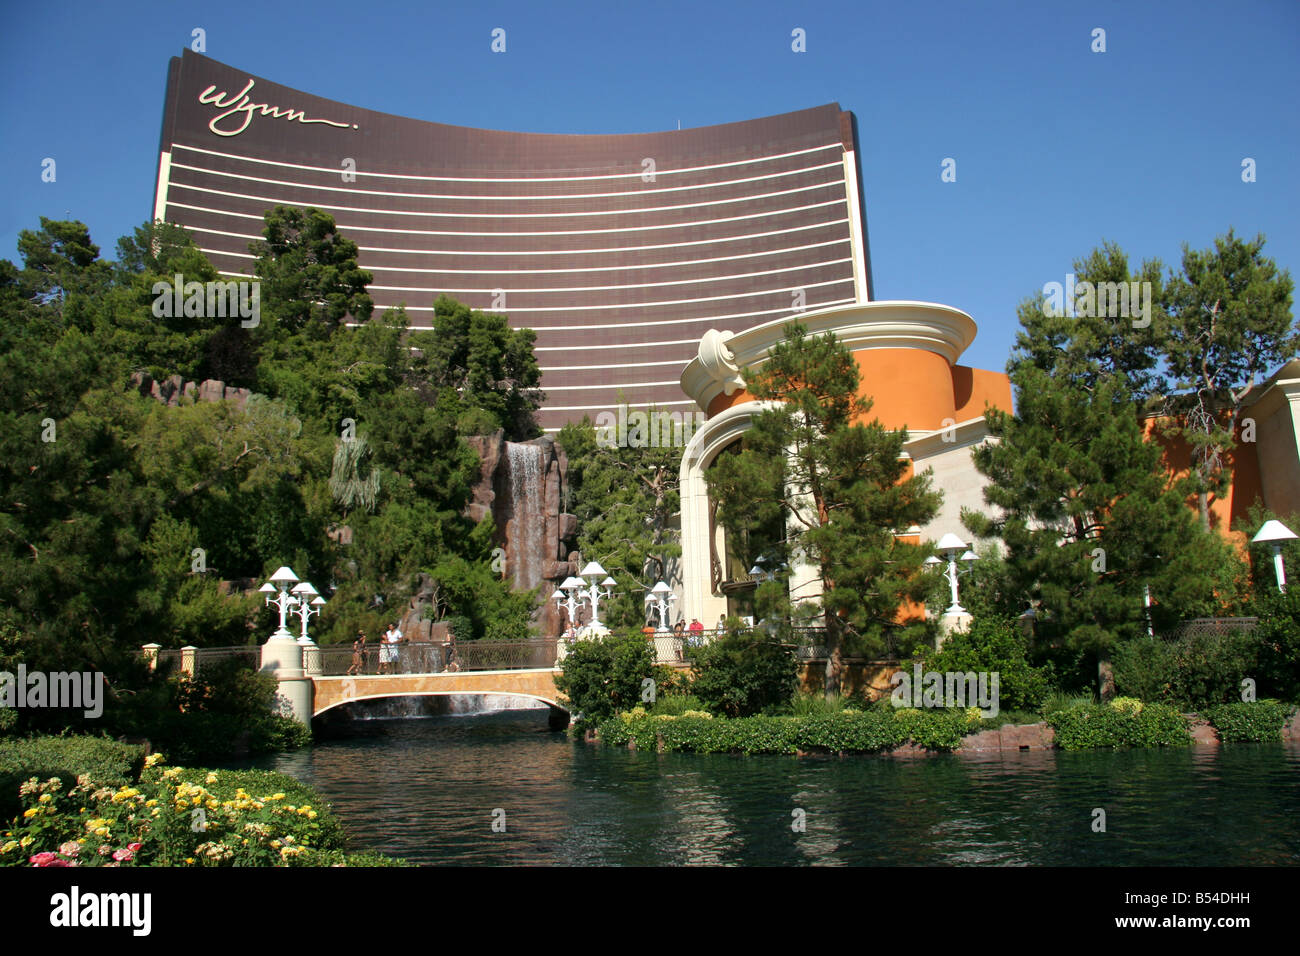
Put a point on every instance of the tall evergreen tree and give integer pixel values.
(1230, 325)
(839, 483)
(1085, 507)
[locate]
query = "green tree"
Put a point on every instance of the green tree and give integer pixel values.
(625, 497)
(1086, 510)
(489, 366)
(739, 676)
(607, 675)
(1230, 325)
(996, 644)
(840, 485)
(310, 279)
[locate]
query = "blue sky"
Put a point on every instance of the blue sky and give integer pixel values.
(1056, 147)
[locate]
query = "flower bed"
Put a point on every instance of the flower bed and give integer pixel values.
(174, 816)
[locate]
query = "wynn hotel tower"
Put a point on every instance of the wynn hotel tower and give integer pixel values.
(620, 251)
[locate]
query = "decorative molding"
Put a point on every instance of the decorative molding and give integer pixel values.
(859, 325)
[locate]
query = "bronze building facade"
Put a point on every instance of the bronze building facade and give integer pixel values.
(621, 251)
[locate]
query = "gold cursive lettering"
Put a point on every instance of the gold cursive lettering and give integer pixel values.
(239, 103)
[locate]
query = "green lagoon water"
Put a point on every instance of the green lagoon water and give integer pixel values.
(426, 789)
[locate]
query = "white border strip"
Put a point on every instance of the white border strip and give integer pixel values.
(533, 198)
(515, 179)
(583, 214)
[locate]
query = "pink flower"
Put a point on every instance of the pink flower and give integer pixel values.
(105, 850)
(59, 861)
(71, 848)
(134, 847)
(112, 864)
(43, 859)
(123, 855)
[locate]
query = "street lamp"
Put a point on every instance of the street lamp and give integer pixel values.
(279, 586)
(570, 587)
(950, 544)
(309, 602)
(660, 598)
(592, 593)
(1273, 533)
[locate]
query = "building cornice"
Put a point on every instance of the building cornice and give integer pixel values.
(941, 329)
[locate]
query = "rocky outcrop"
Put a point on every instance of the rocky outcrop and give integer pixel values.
(171, 390)
(521, 485)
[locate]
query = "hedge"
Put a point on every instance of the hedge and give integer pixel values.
(871, 731)
(1123, 722)
(1254, 722)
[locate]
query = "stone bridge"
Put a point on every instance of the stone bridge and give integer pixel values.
(537, 684)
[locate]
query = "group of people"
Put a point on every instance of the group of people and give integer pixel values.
(390, 655)
(388, 651)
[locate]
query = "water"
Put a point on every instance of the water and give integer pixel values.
(527, 521)
(426, 788)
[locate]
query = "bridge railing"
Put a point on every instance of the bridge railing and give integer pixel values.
(422, 657)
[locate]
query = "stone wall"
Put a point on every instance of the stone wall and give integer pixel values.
(171, 390)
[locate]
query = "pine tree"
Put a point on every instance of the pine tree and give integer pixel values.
(1230, 325)
(1086, 508)
(839, 485)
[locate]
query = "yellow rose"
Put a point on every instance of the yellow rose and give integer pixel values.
(31, 812)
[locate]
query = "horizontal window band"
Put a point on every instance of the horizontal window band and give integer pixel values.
(586, 213)
(742, 237)
(516, 179)
(348, 228)
(537, 197)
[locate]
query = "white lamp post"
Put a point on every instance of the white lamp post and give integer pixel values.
(309, 602)
(592, 593)
(950, 545)
(660, 598)
(955, 618)
(279, 586)
(282, 656)
(570, 587)
(1273, 533)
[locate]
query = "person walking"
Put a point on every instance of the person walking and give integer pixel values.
(358, 654)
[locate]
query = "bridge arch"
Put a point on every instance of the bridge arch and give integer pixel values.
(333, 692)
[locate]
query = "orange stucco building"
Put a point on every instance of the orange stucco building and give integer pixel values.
(907, 354)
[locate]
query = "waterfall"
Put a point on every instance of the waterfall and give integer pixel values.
(526, 525)
(451, 705)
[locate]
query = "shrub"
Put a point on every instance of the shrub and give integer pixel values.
(1192, 672)
(104, 762)
(1278, 643)
(935, 729)
(214, 714)
(1256, 721)
(996, 644)
(1091, 725)
(739, 676)
(604, 676)
(676, 705)
(870, 731)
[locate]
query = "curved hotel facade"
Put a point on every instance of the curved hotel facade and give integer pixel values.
(653, 267)
(620, 251)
